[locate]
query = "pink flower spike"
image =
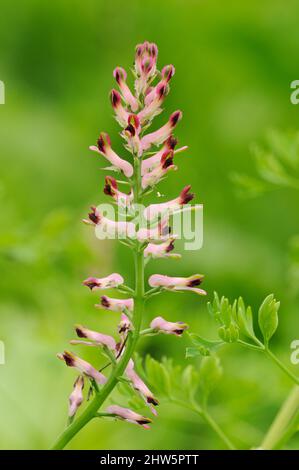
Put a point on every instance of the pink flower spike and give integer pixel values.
(154, 176)
(155, 210)
(76, 397)
(109, 282)
(128, 415)
(82, 366)
(116, 305)
(111, 189)
(152, 162)
(121, 114)
(163, 250)
(153, 108)
(178, 283)
(140, 387)
(166, 75)
(120, 76)
(159, 136)
(104, 148)
(98, 338)
(124, 325)
(163, 326)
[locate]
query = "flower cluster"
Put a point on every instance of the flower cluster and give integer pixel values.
(151, 236)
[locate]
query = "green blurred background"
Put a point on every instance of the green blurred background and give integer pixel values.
(234, 64)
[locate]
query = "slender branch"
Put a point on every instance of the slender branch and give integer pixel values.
(285, 369)
(280, 426)
(212, 423)
(205, 415)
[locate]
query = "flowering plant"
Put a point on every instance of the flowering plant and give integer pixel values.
(148, 236)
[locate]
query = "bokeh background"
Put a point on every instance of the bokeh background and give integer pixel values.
(234, 64)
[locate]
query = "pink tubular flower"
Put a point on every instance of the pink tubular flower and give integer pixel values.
(104, 148)
(145, 65)
(128, 415)
(163, 326)
(104, 226)
(154, 176)
(140, 387)
(156, 234)
(116, 305)
(131, 135)
(121, 115)
(111, 189)
(150, 163)
(109, 282)
(82, 366)
(97, 339)
(155, 210)
(120, 76)
(178, 283)
(153, 108)
(124, 325)
(159, 136)
(163, 250)
(76, 397)
(166, 74)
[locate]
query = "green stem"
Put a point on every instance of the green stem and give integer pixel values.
(204, 414)
(209, 420)
(282, 366)
(280, 425)
(91, 410)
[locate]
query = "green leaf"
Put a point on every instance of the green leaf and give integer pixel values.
(195, 352)
(203, 347)
(244, 319)
(158, 375)
(210, 373)
(268, 317)
(190, 380)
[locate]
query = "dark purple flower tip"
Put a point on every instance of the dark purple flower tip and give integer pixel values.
(68, 358)
(171, 142)
(153, 401)
(105, 302)
(119, 74)
(161, 90)
(103, 142)
(144, 421)
(80, 331)
(110, 186)
(115, 98)
(175, 118)
(167, 72)
(185, 196)
(195, 282)
(170, 246)
(91, 282)
(167, 159)
(94, 215)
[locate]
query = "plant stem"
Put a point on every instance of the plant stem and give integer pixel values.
(209, 420)
(280, 425)
(91, 411)
(282, 366)
(204, 414)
